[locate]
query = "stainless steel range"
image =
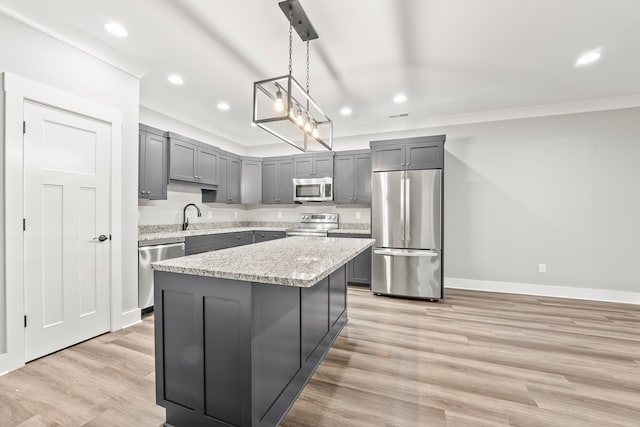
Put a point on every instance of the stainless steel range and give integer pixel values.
(313, 224)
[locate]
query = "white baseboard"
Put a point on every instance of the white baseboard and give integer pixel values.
(4, 369)
(543, 290)
(130, 318)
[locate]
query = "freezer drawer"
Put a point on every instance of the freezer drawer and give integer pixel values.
(407, 272)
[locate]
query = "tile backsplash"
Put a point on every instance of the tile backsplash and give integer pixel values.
(167, 212)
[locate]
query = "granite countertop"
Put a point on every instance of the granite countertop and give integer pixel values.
(202, 232)
(351, 231)
(206, 231)
(295, 261)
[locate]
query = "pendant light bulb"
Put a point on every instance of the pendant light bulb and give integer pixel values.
(278, 105)
(299, 118)
(307, 124)
(315, 133)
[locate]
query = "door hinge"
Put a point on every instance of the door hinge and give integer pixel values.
(25, 320)
(24, 127)
(24, 224)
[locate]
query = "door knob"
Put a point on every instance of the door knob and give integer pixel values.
(101, 238)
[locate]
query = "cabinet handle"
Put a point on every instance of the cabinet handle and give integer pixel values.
(142, 192)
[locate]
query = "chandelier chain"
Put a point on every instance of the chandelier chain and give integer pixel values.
(290, 38)
(307, 66)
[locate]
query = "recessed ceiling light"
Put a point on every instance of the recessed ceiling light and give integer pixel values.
(116, 29)
(399, 98)
(588, 58)
(345, 111)
(175, 79)
(223, 106)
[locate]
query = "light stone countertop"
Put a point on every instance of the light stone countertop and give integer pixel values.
(295, 261)
(206, 231)
(203, 232)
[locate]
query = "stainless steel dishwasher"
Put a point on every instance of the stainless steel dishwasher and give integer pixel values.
(151, 251)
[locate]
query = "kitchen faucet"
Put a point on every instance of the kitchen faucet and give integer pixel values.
(185, 219)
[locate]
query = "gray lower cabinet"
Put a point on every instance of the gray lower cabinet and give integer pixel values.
(212, 242)
(263, 236)
(235, 353)
(192, 161)
(313, 165)
(426, 152)
(352, 179)
(153, 162)
(251, 181)
(229, 176)
(277, 180)
(359, 268)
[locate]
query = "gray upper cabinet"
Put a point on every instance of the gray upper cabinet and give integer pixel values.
(409, 153)
(352, 180)
(251, 182)
(229, 176)
(207, 165)
(153, 159)
(192, 161)
(313, 166)
(277, 180)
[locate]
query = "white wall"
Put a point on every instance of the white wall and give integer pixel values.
(559, 190)
(29, 53)
(161, 121)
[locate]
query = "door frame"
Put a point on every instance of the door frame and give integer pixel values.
(16, 90)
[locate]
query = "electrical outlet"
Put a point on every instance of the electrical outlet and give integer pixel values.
(358, 215)
(235, 215)
(542, 268)
(279, 214)
(210, 215)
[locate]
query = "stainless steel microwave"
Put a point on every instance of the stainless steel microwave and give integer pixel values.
(312, 189)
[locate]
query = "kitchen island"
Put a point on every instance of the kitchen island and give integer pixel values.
(238, 332)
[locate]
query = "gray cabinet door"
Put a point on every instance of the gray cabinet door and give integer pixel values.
(285, 182)
(323, 166)
(424, 155)
(360, 268)
(223, 167)
(270, 182)
(184, 158)
(343, 180)
(207, 166)
(303, 167)
(234, 178)
(251, 181)
(155, 166)
(142, 193)
(362, 178)
(388, 157)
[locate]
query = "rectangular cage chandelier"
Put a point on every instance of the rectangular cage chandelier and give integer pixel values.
(284, 108)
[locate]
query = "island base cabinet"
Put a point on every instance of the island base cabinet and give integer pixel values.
(238, 353)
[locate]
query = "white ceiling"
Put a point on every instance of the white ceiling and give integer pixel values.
(449, 57)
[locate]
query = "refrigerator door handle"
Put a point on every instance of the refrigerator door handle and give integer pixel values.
(407, 215)
(403, 207)
(404, 252)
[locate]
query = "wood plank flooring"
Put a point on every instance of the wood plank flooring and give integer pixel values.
(476, 359)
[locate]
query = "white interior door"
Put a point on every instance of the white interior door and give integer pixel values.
(66, 207)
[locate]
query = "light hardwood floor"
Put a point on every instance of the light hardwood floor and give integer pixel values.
(476, 359)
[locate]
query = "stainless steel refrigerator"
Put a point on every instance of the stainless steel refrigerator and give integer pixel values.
(406, 221)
